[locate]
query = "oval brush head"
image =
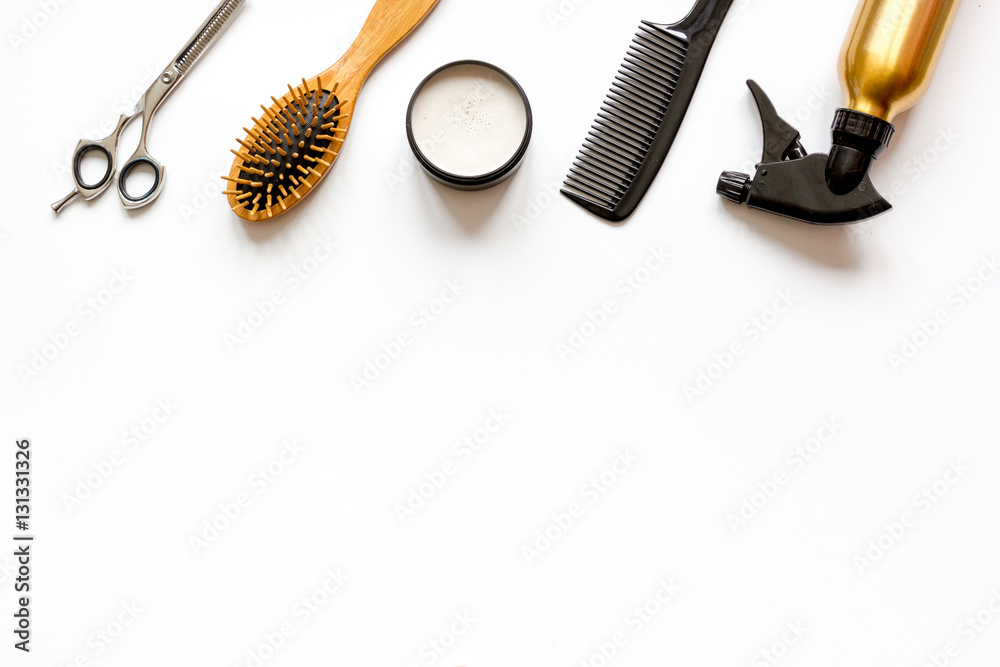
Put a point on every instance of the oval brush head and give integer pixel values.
(290, 148)
(286, 151)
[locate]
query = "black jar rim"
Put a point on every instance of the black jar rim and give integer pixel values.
(470, 182)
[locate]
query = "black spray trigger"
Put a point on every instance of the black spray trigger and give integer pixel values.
(781, 140)
(791, 182)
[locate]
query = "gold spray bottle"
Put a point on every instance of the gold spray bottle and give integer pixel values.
(885, 66)
(891, 51)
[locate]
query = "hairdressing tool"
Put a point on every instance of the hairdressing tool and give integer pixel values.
(292, 145)
(642, 113)
(168, 80)
(886, 65)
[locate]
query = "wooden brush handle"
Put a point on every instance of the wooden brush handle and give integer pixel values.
(389, 22)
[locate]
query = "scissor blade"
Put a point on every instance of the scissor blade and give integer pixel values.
(206, 34)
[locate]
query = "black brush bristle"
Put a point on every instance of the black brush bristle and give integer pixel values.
(641, 114)
(292, 142)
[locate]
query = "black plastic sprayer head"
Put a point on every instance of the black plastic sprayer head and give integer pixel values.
(858, 139)
(821, 189)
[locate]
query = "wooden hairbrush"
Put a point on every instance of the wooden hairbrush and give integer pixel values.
(292, 145)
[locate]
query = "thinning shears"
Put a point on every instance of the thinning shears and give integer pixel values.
(172, 75)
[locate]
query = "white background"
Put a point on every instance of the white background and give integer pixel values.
(196, 271)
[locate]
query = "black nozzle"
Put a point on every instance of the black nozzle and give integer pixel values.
(858, 140)
(821, 189)
(734, 186)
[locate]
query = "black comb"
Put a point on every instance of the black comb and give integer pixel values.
(643, 111)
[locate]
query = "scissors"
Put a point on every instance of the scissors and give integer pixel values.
(147, 106)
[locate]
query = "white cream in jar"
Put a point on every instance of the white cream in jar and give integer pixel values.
(469, 120)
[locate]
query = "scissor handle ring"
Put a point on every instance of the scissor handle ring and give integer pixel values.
(81, 152)
(127, 169)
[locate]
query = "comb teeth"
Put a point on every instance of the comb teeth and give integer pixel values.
(629, 122)
(296, 139)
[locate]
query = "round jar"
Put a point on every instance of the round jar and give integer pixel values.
(469, 124)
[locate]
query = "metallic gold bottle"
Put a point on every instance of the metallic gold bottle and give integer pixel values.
(888, 59)
(886, 65)
(891, 51)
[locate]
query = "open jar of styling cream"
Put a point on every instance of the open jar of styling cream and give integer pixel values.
(469, 125)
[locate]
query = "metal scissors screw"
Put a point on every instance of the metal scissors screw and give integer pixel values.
(147, 106)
